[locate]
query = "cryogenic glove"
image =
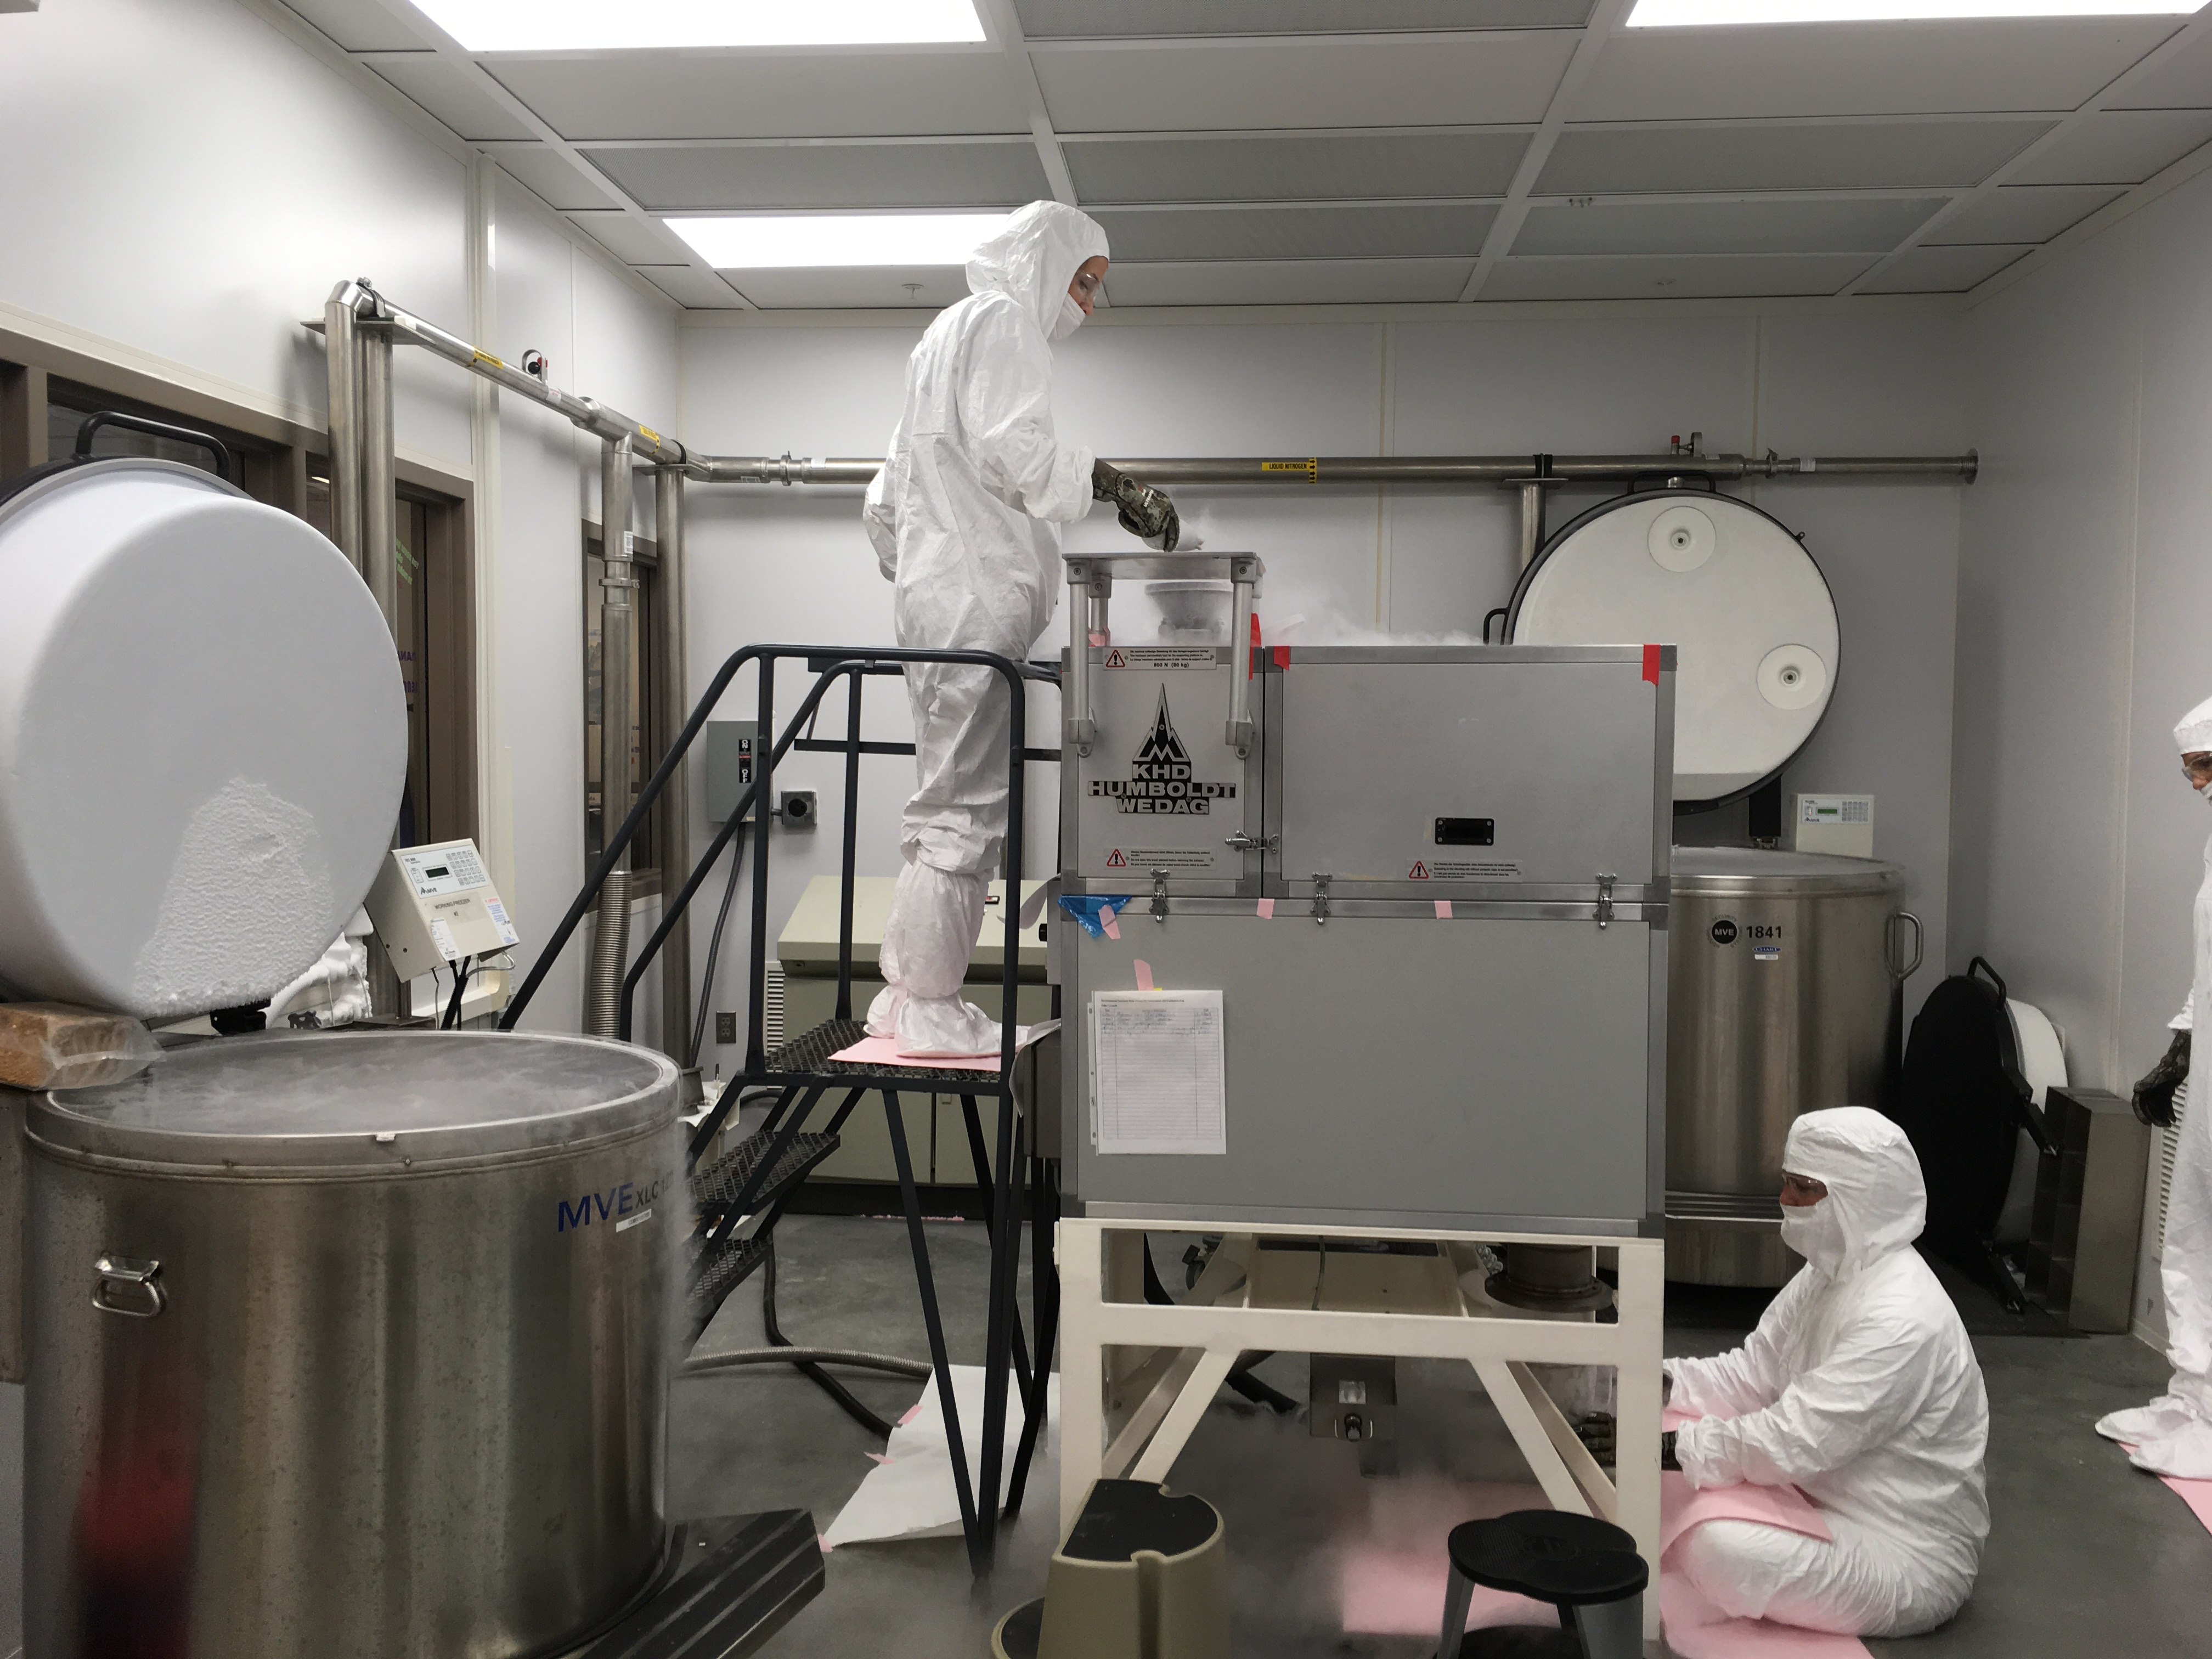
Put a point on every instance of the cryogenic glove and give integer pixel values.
(2154, 1094)
(1145, 513)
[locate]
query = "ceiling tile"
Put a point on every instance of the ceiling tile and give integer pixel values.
(844, 288)
(1941, 270)
(1805, 155)
(550, 174)
(2020, 215)
(638, 243)
(2184, 81)
(849, 94)
(691, 288)
(1662, 277)
(357, 25)
(453, 96)
(1078, 19)
(1288, 282)
(1295, 233)
(1272, 167)
(1862, 69)
(1219, 85)
(2119, 148)
(1814, 227)
(807, 175)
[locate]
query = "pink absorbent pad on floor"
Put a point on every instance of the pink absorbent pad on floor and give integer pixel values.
(1697, 1630)
(2197, 1494)
(884, 1051)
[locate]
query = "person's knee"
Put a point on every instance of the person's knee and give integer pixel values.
(1729, 1565)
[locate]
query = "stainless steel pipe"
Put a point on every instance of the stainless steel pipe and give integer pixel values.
(617, 622)
(342, 358)
(380, 567)
(671, 604)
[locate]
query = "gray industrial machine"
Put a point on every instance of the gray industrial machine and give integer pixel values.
(1429, 886)
(1779, 994)
(350, 1346)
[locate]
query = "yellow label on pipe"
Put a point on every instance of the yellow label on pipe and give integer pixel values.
(483, 356)
(648, 433)
(1310, 466)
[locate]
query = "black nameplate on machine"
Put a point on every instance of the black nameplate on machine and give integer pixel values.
(1467, 832)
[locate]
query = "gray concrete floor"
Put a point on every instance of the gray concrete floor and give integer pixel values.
(2086, 1555)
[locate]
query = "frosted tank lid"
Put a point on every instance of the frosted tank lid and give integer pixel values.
(1745, 871)
(372, 1101)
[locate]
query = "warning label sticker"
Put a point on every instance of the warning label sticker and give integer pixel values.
(1465, 870)
(1161, 656)
(1116, 859)
(1169, 858)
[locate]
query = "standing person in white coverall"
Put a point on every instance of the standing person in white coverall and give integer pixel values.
(2172, 1435)
(965, 520)
(1858, 1386)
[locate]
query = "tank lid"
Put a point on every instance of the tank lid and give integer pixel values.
(1748, 870)
(382, 1102)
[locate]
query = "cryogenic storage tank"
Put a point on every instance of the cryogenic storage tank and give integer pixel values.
(1779, 971)
(350, 1346)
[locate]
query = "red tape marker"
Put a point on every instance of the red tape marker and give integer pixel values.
(1651, 663)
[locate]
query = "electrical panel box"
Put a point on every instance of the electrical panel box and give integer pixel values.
(433, 905)
(730, 745)
(1833, 823)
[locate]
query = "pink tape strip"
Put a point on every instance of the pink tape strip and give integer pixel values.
(1267, 909)
(1443, 910)
(1113, 927)
(1144, 974)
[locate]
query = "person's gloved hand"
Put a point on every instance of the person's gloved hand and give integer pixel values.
(1145, 513)
(2153, 1095)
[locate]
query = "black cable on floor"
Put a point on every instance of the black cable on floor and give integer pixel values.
(822, 1379)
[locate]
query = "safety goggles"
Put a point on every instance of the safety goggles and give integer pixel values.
(2198, 768)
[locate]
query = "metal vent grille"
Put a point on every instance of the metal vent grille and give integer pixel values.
(2169, 1142)
(772, 1021)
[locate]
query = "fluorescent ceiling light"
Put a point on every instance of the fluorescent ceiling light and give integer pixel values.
(761, 241)
(597, 26)
(1678, 14)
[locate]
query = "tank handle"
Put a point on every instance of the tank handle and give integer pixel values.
(1981, 964)
(1919, 941)
(129, 1287)
(182, 435)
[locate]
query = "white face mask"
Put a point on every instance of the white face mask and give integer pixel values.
(1816, 1231)
(1070, 319)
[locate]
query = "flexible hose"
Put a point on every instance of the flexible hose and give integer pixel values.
(714, 952)
(610, 958)
(700, 1364)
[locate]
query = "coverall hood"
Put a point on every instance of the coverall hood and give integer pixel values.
(2195, 732)
(1035, 257)
(1873, 1181)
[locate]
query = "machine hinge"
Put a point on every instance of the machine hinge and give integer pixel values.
(1321, 898)
(1159, 895)
(1244, 843)
(1604, 900)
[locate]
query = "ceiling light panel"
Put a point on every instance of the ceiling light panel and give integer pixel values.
(692, 179)
(1693, 14)
(1295, 233)
(1803, 227)
(1045, 20)
(920, 288)
(768, 241)
(1783, 155)
(594, 26)
(1862, 69)
(1277, 167)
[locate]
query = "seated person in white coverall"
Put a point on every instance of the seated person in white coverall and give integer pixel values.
(1859, 1386)
(2172, 1435)
(965, 520)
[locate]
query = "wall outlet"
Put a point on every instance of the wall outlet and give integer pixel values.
(796, 808)
(726, 1027)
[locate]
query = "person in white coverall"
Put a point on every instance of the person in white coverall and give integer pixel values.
(965, 520)
(1859, 1387)
(2172, 1435)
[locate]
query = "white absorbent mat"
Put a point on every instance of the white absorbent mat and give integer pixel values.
(910, 1493)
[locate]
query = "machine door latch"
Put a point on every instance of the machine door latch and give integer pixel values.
(1604, 900)
(1244, 843)
(1320, 899)
(1159, 895)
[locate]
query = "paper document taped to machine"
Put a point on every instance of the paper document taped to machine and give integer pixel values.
(1155, 1073)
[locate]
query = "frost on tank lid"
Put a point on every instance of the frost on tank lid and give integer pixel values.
(332, 1096)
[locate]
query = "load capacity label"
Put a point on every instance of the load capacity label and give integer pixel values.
(1161, 656)
(1463, 870)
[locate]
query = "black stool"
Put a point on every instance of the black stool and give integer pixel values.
(1587, 1568)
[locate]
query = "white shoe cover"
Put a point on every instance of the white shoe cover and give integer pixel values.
(930, 1027)
(883, 1012)
(2164, 1416)
(2185, 1454)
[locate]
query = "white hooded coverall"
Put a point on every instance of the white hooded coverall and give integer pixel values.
(2172, 1435)
(964, 518)
(1858, 1386)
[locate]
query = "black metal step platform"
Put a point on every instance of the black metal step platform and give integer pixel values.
(806, 1058)
(718, 1184)
(734, 1583)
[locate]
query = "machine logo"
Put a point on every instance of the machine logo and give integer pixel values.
(1723, 932)
(1160, 780)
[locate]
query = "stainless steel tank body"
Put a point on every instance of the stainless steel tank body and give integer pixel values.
(1780, 966)
(349, 1345)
